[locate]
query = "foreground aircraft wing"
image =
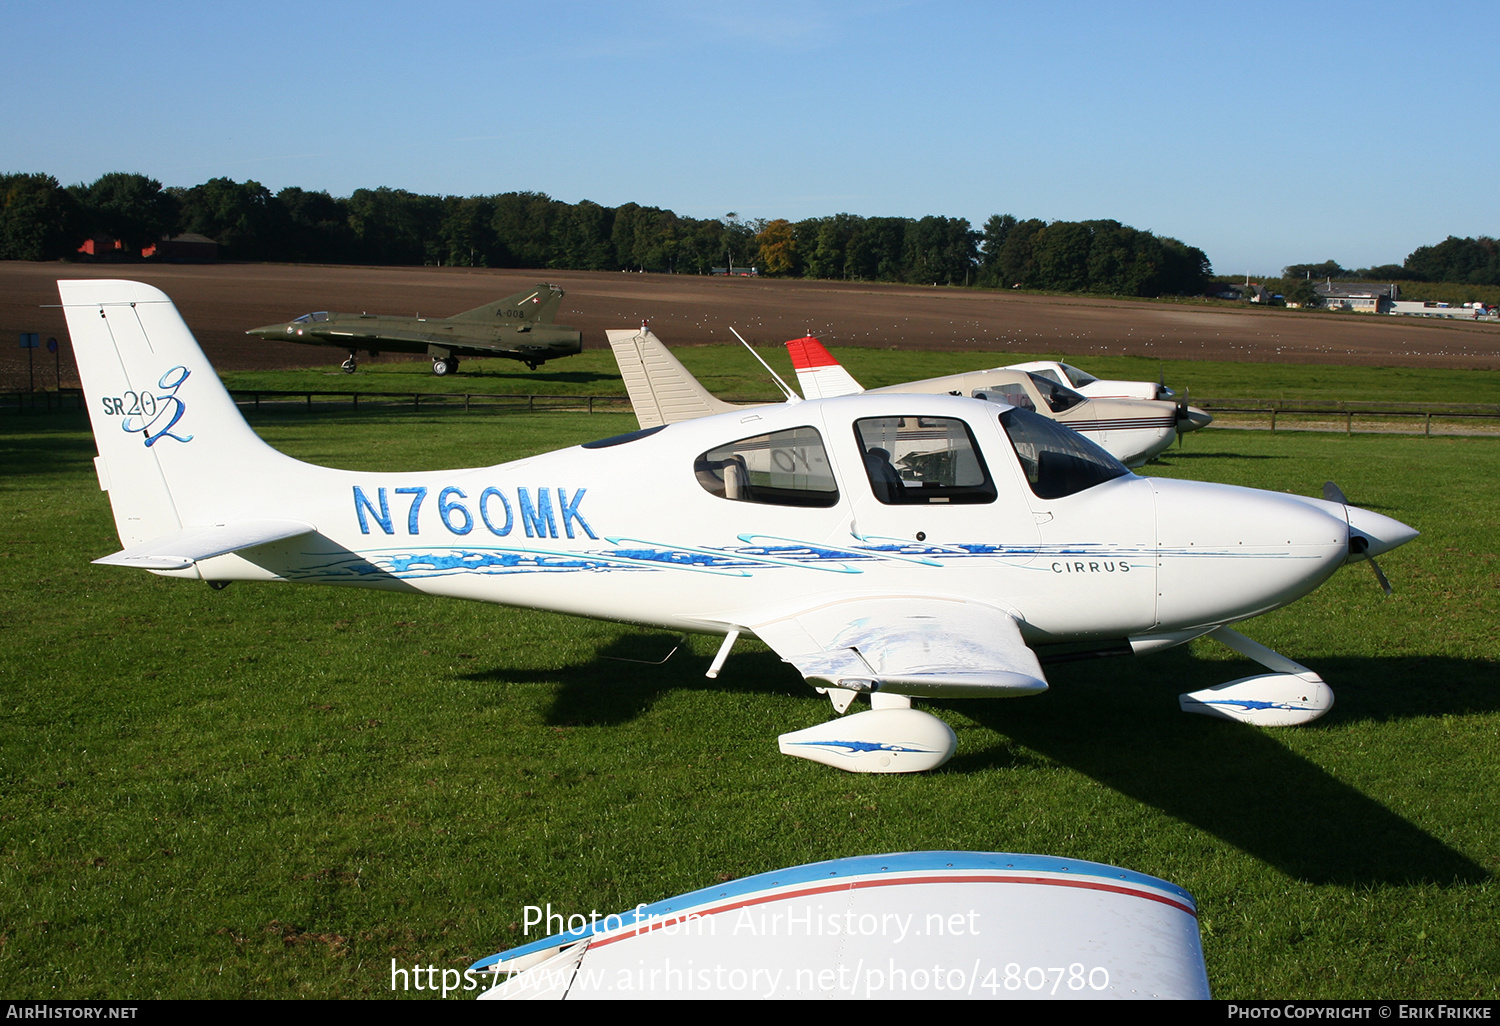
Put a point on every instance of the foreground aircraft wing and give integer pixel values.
(181, 549)
(661, 389)
(819, 374)
(907, 646)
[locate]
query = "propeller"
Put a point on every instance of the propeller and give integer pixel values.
(1162, 391)
(1358, 544)
(1189, 418)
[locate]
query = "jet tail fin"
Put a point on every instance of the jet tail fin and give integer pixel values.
(536, 305)
(661, 389)
(173, 448)
(819, 374)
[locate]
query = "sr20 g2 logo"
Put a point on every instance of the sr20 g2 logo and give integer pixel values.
(152, 415)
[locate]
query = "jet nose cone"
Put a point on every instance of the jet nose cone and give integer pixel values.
(1380, 533)
(270, 331)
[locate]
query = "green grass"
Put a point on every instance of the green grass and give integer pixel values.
(731, 373)
(273, 792)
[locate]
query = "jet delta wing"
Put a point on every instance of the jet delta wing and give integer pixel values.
(891, 546)
(518, 327)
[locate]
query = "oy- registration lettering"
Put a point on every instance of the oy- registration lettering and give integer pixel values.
(542, 512)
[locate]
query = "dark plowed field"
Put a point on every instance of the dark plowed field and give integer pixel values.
(220, 302)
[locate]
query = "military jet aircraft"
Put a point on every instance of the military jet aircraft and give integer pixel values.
(1007, 533)
(518, 327)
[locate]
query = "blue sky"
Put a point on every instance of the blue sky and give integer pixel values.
(1264, 134)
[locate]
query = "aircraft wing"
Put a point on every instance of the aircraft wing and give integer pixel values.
(907, 645)
(181, 549)
(341, 334)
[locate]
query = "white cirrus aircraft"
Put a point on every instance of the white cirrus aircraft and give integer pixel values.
(1003, 531)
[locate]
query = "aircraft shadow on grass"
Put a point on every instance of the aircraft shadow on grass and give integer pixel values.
(533, 379)
(57, 453)
(1172, 456)
(1117, 722)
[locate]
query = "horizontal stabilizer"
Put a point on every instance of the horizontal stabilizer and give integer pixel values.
(908, 645)
(819, 374)
(181, 549)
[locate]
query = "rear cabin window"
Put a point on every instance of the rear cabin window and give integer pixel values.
(1058, 461)
(782, 468)
(1009, 392)
(918, 460)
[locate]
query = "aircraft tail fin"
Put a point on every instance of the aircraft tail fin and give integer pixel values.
(661, 389)
(173, 448)
(537, 305)
(819, 374)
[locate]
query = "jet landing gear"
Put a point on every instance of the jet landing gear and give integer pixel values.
(1291, 696)
(350, 365)
(444, 365)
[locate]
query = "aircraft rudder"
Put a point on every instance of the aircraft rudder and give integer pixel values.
(170, 438)
(818, 372)
(661, 389)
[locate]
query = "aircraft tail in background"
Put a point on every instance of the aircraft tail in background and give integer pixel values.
(661, 388)
(818, 373)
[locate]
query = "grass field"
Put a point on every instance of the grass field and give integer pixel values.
(731, 373)
(273, 792)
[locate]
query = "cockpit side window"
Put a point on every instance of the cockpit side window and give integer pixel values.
(782, 468)
(1058, 397)
(1058, 461)
(918, 460)
(321, 315)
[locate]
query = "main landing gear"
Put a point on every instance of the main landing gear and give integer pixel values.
(1291, 696)
(442, 366)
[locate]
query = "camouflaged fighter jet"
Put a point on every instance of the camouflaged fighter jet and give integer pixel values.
(518, 327)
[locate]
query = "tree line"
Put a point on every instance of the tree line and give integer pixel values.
(41, 220)
(1454, 260)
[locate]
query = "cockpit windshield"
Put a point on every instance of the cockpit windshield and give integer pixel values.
(1077, 377)
(1058, 461)
(321, 315)
(1058, 397)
